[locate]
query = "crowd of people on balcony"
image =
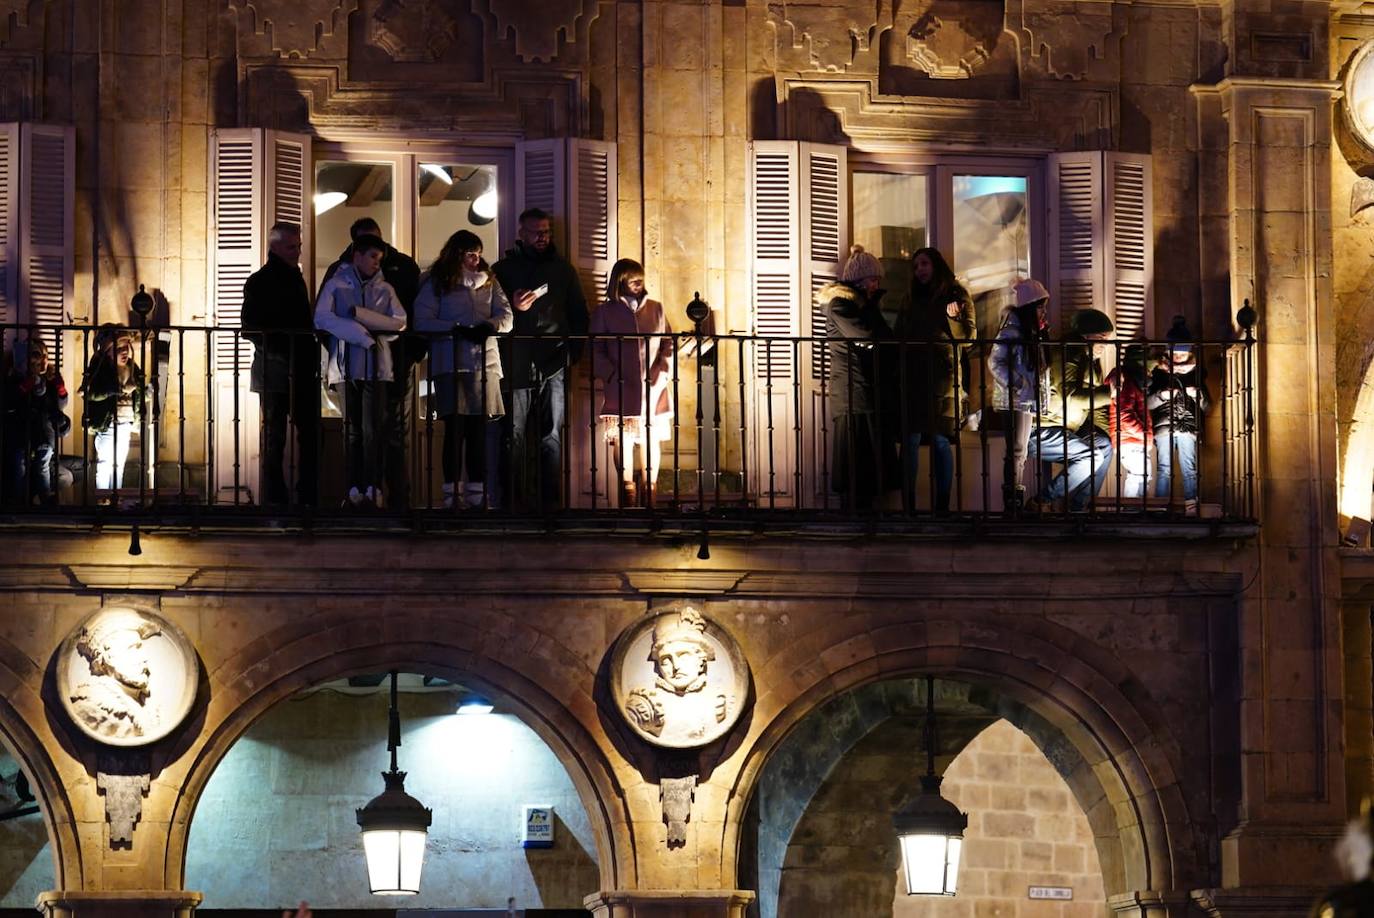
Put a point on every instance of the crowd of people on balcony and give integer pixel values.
(897, 385)
(500, 338)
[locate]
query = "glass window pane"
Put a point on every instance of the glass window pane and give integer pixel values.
(890, 221)
(991, 241)
(453, 197)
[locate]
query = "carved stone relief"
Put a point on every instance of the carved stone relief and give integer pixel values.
(411, 31)
(126, 677)
(824, 37)
(12, 13)
(947, 49)
(290, 28)
(1075, 41)
(538, 24)
(123, 804)
(678, 680)
(677, 795)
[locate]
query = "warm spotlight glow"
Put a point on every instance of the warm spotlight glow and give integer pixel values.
(326, 201)
(486, 204)
(439, 172)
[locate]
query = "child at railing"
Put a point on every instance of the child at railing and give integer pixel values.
(113, 390)
(35, 395)
(631, 331)
(1130, 425)
(1178, 399)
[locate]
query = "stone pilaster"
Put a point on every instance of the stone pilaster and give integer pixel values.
(650, 903)
(1292, 773)
(1150, 903)
(133, 903)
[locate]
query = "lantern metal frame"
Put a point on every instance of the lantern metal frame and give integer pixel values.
(931, 815)
(394, 810)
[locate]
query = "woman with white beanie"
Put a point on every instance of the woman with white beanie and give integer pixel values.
(859, 455)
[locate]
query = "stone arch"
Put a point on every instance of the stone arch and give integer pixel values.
(246, 686)
(1083, 691)
(20, 707)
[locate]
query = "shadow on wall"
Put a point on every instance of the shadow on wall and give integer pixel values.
(26, 864)
(565, 867)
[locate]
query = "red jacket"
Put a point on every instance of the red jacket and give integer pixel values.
(1129, 418)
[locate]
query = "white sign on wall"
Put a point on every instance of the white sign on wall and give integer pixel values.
(1051, 892)
(536, 828)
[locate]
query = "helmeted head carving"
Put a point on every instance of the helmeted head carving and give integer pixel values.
(680, 652)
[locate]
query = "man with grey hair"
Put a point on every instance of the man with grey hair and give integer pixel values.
(278, 318)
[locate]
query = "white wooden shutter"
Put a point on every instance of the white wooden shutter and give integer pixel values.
(239, 238)
(824, 221)
(9, 222)
(1129, 256)
(593, 200)
(775, 287)
(541, 180)
(47, 154)
(1076, 235)
(289, 188)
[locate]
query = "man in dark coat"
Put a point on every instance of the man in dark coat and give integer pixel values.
(278, 319)
(403, 274)
(546, 293)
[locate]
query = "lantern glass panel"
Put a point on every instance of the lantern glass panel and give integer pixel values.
(931, 863)
(395, 858)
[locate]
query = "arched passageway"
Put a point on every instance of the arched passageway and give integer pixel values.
(275, 822)
(26, 857)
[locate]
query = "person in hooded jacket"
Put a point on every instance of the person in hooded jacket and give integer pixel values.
(854, 323)
(362, 316)
(1130, 424)
(462, 308)
(1178, 400)
(1025, 389)
(939, 315)
(630, 331)
(278, 318)
(546, 293)
(401, 272)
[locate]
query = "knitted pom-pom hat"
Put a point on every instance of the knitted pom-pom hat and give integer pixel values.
(860, 265)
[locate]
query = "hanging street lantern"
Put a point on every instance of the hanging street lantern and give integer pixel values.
(394, 826)
(930, 831)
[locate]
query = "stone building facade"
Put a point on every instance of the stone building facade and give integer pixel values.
(1203, 689)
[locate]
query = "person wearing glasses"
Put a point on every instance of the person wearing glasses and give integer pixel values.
(550, 322)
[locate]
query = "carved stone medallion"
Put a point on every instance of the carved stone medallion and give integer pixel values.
(1356, 127)
(127, 677)
(678, 679)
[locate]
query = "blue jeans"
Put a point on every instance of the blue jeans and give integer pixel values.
(541, 405)
(1167, 441)
(1085, 461)
(943, 459)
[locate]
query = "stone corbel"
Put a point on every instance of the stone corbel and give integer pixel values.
(677, 795)
(123, 786)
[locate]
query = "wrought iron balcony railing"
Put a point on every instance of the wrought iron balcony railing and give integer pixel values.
(740, 428)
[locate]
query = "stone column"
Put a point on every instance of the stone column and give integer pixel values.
(653, 903)
(1278, 156)
(1152, 904)
(133, 903)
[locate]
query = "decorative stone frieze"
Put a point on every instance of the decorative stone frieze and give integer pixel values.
(290, 28)
(539, 24)
(411, 31)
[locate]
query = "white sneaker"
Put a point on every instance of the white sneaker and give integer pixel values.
(374, 496)
(354, 498)
(474, 495)
(448, 495)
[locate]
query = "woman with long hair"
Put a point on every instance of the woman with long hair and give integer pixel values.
(632, 355)
(461, 308)
(932, 328)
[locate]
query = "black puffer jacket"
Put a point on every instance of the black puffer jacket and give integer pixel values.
(1178, 397)
(853, 323)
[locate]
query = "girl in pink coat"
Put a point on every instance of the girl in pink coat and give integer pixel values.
(632, 355)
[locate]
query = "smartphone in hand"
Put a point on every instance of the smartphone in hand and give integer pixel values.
(540, 290)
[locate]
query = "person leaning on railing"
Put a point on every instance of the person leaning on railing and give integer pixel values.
(461, 308)
(113, 390)
(626, 328)
(361, 314)
(861, 457)
(1024, 390)
(939, 315)
(1076, 375)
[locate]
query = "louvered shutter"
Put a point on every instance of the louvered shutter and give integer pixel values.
(9, 222)
(541, 173)
(593, 202)
(47, 155)
(1129, 257)
(1076, 235)
(289, 187)
(239, 237)
(824, 188)
(775, 287)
